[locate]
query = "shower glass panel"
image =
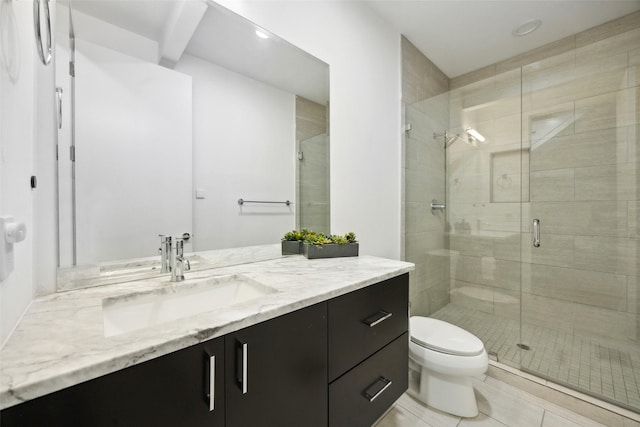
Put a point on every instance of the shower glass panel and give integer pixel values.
(486, 185)
(562, 146)
(313, 188)
(580, 287)
(312, 172)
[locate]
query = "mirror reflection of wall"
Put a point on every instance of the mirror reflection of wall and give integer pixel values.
(312, 136)
(167, 142)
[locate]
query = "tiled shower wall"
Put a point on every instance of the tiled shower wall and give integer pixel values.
(575, 105)
(426, 107)
(312, 173)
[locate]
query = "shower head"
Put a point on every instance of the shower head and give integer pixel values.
(449, 138)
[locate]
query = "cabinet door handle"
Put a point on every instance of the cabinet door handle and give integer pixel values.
(377, 318)
(211, 395)
(242, 355)
(376, 389)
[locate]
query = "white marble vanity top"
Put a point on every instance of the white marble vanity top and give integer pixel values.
(61, 341)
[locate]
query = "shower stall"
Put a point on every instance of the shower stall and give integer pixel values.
(522, 207)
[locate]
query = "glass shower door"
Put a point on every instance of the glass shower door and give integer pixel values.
(579, 319)
(485, 188)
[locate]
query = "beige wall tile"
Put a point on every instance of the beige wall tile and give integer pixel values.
(552, 185)
(471, 295)
(617, 26)
(548, 122)
(507, 129)
(609, 182)
(633, 143)
(633, 294)
(634, 68)
(472, 77)
(613, 44)
(605, 290)
(420, 304)
(600, 147)
(492, 272)
(533, 56)
(421, 127)
(610, 110)
(634, 220)
(554, 249)
(582, 218)
(507, 247)
(467, 244)
(611, 254)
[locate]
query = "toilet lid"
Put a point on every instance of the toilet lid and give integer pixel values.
(444, 337)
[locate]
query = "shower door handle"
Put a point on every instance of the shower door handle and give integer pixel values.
(59, 98)
(536, 233)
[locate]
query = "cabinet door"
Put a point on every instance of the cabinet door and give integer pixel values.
(276, 371)
(172, 390)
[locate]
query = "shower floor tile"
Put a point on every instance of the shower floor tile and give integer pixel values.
(610, 371)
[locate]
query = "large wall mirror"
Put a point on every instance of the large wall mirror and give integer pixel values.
(170, 113)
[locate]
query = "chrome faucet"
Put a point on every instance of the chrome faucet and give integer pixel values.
(179, 264)
(165, 253)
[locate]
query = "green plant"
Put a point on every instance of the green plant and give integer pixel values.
(313, 238)
(295, 235)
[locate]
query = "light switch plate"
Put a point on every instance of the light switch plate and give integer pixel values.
(200, 193)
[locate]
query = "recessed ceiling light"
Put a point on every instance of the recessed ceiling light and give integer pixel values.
(262, 34)
(526, 27)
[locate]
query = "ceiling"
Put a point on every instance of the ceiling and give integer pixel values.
(460, 36)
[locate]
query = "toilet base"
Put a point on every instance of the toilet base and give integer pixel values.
(447, 393)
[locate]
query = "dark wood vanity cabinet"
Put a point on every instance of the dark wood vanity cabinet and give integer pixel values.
(172, 390)
(276, 371)
(368, 352)
(342, 362)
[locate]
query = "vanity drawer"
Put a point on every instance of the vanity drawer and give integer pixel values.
(362, 322)
(362, 395)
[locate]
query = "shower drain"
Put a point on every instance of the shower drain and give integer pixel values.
(523, 346)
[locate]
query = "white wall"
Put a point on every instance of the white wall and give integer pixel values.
(363, 53)
(19, 129)
(133, 154)
(243, 147)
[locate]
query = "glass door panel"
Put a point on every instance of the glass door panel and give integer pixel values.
(580, 286)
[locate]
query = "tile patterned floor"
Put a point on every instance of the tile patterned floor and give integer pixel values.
(501, 404)
(607, 370)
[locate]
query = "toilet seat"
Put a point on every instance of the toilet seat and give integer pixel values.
(443, 337)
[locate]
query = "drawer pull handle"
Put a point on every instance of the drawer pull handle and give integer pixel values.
(376, 389)
(377, 318)
(242, 355)
(211, 395)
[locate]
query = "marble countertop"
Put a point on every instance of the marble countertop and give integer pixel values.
(60, 341)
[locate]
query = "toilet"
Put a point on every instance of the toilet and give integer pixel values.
(442, 360)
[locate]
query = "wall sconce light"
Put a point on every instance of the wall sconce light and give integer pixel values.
(475, 134)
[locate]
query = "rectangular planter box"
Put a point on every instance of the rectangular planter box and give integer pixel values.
(292, 247)
(330, 251)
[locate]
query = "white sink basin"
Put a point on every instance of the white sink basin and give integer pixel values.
(140, 310)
